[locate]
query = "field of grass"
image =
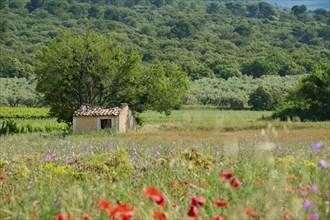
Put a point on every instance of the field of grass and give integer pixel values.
(205, 164)
(23, 112)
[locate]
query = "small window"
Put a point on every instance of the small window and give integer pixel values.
(106, 123)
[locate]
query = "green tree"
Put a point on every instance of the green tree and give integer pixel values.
(74, 70)
(260, 99)
(259, 67)
(266, 10)
(213, 8)
(298, 10)
(309, 100)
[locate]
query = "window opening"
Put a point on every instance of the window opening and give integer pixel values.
(105, 123)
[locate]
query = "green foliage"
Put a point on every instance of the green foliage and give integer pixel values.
(260, 99)
(23, 112)
(190, 159)
(309, 100)
(298, 10)
(159, 31)
(112, 165)
(74, 70)
(23, 126)
(18, 91)
(234, 92)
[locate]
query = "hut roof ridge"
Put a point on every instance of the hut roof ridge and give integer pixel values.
(91, 110)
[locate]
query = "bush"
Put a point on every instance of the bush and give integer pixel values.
(310, 100)
(261, 99)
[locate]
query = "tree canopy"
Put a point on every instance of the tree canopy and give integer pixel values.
(74, 70)
(309, 100)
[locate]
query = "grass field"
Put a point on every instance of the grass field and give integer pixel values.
(275, 170)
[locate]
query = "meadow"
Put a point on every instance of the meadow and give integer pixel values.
(199, 163)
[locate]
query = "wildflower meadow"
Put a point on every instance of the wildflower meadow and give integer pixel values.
(162, 174)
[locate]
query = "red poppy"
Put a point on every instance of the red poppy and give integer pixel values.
(293, 178)
(226, 175)
(252, 213)
(186, 182)
(303, 191)
(218, 218)
(172, 183)
(173, 205)
(286, 216)
(2, 178)
(259, 180)
(186, 193)
(159, 215)
(86, 217)
(62, 217)
(178, 186)
(6, 195)
(155, 195)
(123, 211)
(104, 205)
(220, 203)
(235, 183)
(193, 211)
(197, 201)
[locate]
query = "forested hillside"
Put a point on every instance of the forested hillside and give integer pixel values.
(220, 39)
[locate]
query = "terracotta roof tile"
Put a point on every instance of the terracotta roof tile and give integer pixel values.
(90, 110)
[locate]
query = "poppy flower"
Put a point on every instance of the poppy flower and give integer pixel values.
(123, 211)
(159, 215)
(2, 178)
(235, 183)
(86, 217)
(226, 175)
(303, 191)
(104, 205)
(286, 216)
(186, 193)
(193, 211)
(259, 180)
(186, 182)
(155, 195)
(6, 195)
(220, 203)
(197, 201)
(252, 213)
(218, 218)
(172, 183)
(178, 186)
(62, 216)
(293, 178)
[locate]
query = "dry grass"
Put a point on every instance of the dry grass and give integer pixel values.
(285, 133)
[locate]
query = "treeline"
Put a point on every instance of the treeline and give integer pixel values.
(204, 38)
(264, 93)
(18, 92)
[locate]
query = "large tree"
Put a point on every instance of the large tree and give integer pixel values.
(310, 100)
(73, 70)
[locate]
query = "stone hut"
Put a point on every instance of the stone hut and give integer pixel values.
(93, 118)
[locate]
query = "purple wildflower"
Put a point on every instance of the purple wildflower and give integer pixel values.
(48, 158)
(318, 146)
(308, 204)
(314, 216)
(314, 188)
(323, 163)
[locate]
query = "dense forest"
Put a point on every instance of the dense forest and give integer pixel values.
(217, 40)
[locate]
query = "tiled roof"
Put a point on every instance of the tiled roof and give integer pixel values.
(90, 110)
